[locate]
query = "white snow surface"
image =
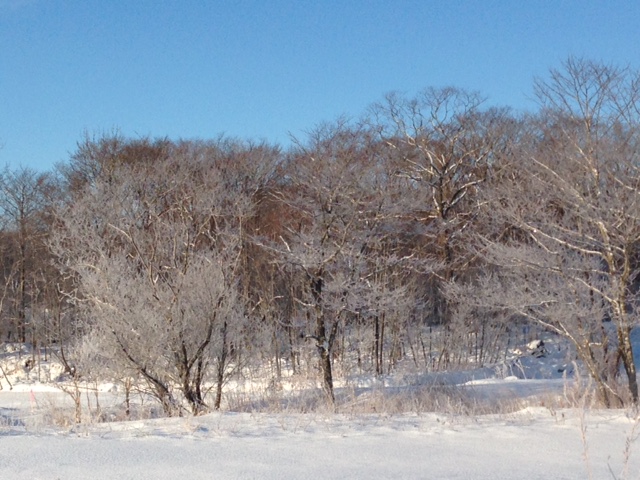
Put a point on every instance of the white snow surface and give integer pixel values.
(536, 442)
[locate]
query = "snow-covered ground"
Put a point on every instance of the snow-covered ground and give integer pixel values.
(535, 443)
(534, 438)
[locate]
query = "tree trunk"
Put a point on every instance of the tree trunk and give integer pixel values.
(22, 308)
(376, 345)
(626, 353)
(323, 342)
(222, 363)
(324, 350)
(292, 351)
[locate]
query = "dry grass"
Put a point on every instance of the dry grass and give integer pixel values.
(380, 399)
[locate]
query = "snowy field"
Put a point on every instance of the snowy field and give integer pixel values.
(535, 443)
(534, 438)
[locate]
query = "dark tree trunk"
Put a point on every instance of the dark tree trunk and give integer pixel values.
(222, 363)
(324, 350)
(323, 341)
(626, 353)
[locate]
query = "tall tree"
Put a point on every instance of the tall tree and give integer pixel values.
(443, 142)
(24, 203)
(335, 191)
(155, 245)
(568, 205)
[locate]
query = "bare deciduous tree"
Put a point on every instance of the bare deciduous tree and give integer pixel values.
(442, 142)
(335, 190)
(568, 205)
(24, 201)
(155, 246)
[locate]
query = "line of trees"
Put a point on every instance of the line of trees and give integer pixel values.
(430, 231)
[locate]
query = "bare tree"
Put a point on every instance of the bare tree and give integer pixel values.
(567, 205)
(155, 247)
(442, 142)
(335, 195)
(24, 200)
(96, 157)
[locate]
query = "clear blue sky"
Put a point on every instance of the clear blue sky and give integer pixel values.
(263, 69)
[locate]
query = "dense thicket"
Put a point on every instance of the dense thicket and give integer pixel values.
(433, 231)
